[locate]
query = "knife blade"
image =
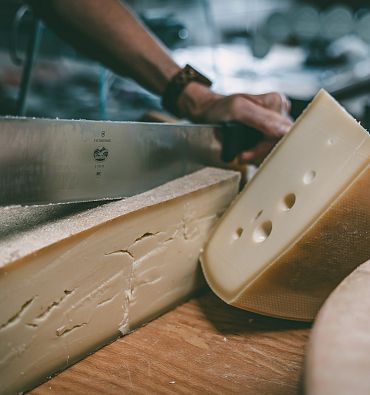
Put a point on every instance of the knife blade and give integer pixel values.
(46, 161)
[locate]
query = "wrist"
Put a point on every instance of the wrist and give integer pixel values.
(195, 100)
(187, 93)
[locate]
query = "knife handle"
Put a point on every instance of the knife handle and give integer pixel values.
(237, 138)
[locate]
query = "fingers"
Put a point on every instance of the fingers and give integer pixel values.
(271, 123)
(274, 101)
(286, 104)
(266, 113)
(258, 153)
(277, 102)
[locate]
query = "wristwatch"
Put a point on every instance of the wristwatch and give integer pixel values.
(177, 84)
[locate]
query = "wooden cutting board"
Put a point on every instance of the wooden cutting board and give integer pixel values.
(201, 347)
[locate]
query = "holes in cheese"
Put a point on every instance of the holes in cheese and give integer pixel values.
(288, 202)
(258, 215)
(307, 211)
(309, 177)
(238, 233)
(262, 232)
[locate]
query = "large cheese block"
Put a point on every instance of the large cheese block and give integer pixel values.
(71, 282)
(338, 357)
(303, 222)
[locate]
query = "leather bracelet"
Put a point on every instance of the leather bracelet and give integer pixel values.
(177, 84)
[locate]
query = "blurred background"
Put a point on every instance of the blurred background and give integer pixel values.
(292, 46)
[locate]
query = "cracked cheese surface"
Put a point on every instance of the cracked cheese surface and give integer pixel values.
(71, 282)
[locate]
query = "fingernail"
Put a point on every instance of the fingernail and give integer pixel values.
(284, 129)
(244, 157)
(285, 104)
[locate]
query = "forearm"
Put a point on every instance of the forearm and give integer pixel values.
(107, 31)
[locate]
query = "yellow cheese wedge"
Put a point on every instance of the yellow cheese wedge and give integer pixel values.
(303, 222)
(71, 282)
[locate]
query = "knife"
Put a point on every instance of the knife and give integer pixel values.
(46, 161)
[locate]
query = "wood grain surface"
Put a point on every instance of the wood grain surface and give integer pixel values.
(201, 347)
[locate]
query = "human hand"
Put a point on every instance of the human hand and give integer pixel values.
(267, 113)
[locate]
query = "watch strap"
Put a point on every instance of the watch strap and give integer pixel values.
(177, 84)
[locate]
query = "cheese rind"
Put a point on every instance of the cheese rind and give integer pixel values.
(302, 224)
(327, 252)
(69, 286)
